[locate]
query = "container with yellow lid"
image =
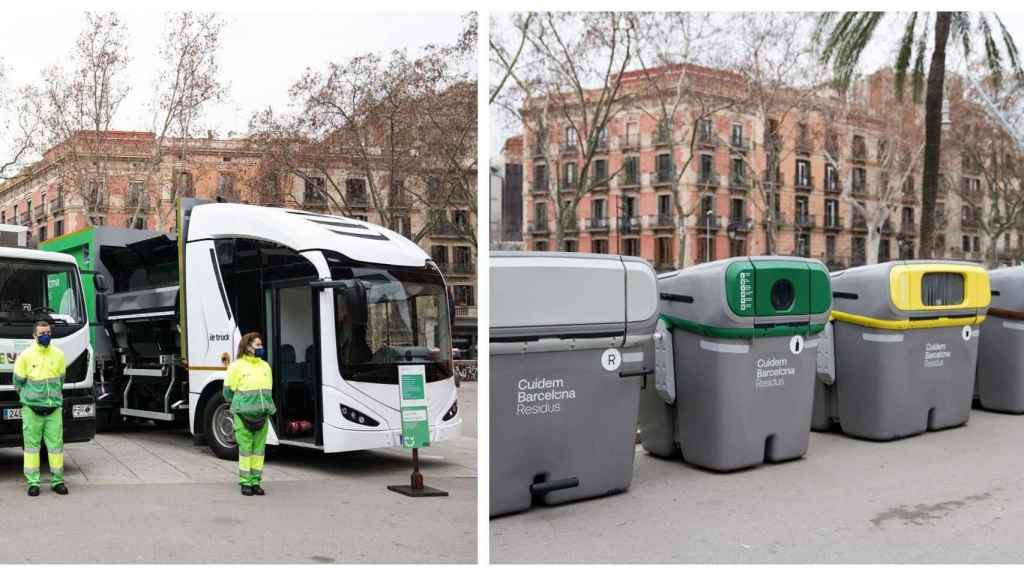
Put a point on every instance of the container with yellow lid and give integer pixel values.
(899, 356)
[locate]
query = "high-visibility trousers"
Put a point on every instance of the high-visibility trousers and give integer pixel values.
(251, 448)
(36, 429)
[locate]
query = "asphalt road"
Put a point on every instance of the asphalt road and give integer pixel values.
(149, 495)
(950, 496)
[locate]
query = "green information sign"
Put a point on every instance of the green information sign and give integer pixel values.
(415, 424)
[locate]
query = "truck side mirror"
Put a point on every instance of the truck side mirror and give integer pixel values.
(101, 307)
(99, 281)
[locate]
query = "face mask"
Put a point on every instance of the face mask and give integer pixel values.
(43, 339)
(259, 353)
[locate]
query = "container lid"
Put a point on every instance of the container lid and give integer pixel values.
(553, 293)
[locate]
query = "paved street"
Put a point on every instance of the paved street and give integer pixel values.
(950, 496)
(150, 495)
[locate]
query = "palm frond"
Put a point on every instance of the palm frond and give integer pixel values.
(962, 22)
(903, 56)
(847, 42)
(918, 76)
(993, 57)
(1011, 50)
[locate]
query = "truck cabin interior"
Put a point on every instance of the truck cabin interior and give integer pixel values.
(268, 291)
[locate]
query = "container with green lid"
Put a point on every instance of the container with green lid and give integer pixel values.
(735, 361)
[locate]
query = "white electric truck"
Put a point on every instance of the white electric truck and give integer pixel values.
(341, 304)
(37, 285)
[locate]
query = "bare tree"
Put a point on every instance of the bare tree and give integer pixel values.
(20, 127)
(782, 79)
(78, 107)
(567, 87)
(503, 59)
(991, 189)
(681, 97)
(397, 124)
(189, 80)
(899, 130)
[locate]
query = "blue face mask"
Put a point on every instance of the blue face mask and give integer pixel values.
(259, 353)
(43, 339)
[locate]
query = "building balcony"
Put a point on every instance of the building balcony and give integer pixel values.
(569, 149)
(600, 145)
(539, 228)
(538, 149)
(835, 223)
(706, 222)
(908, 229)
(739, 144)
(665, 221)
(803, 146)
(567, 185)
(629, 180)
(572, 227)
(540, 185)
(357, 200)
(708, 180)
(805, 184)
(629, 225)
(859, 224)
(25, 219)
(887, 227)
(968, 223)
(858, 259)
(57, 205)
(463, 268)
(707, 140)
(835, 186)
(739, 183)
(662, 177)
(858, 189)
(741, 225)
(40, 213)
(801, 220)
(447, 229)
(134, 202)
(859, 154)
(772, 181)
(599, 183)
(629, 142)
(597, 225)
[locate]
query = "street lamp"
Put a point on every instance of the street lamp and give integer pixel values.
(707, 222)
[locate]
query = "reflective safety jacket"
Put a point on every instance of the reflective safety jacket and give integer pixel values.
(39, 376)
(249, 387)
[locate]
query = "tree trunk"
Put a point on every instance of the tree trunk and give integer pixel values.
(871, 251)
(933, 133)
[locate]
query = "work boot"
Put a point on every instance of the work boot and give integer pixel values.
(33, 491)
(61, 489)
(246, 490)
(258, 490)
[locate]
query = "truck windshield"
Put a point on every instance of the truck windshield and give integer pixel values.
(33, 290)
(385, 317)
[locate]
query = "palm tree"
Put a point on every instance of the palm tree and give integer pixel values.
(845, 35)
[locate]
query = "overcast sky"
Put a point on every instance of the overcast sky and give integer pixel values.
(262, 54)
(881, 52)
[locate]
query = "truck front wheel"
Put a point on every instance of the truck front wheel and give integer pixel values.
(220, 430)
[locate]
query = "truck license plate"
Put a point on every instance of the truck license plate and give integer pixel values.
(12, 413)
(83, 411)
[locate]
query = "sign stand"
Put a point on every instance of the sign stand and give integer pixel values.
(416, 488)
(415, 429)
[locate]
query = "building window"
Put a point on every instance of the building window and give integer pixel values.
(908, 216)
(664, 208)
(439, 254)
(858, 251)
(832, 213)
(966, 244)
(541, 245)
(803, 245)
(705, 249)
(883, 250)
(977, 244)
(629, 207)
(570, 137)
(737, 247)
(663, 164)
(831, 178)
(859, 179)
(42, 233)
(707, 205)
(540, 213)
(707, 130)
(600, 246)
(58, 228)
(3, 217)
(830, 248)
(463, 295)
(630, 170)
(599, 173)
(598, 208)
(569, 175)
(226, 186)
(803, 173)
(663, 251)
(737, 136)
(632, 134)
(540, 177)
(184, 184)
(706, 166)
(737, 210)
(313, 194)
(570, 245)
(631, 247)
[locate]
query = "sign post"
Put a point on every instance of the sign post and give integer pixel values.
(412, 381)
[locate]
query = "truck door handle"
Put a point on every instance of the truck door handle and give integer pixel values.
(541, 488)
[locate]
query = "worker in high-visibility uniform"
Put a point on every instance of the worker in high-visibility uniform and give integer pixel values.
(249, 388)
(39, 380)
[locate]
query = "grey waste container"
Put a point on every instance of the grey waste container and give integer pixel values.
(737, 381)
(567, 352)
(1000, 379)
(904, 348)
